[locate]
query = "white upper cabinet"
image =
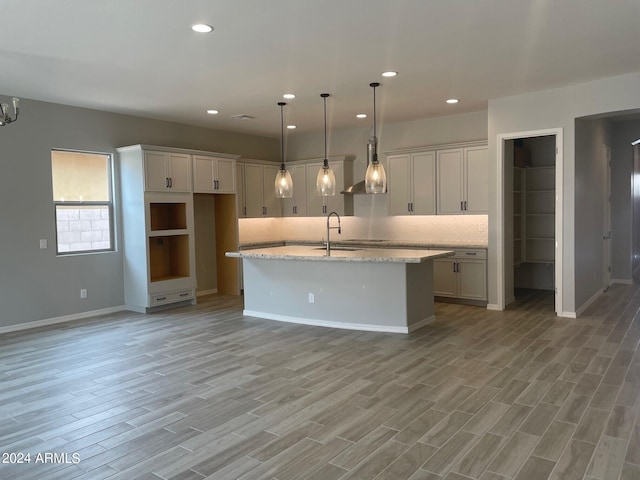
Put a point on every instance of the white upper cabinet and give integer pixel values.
(296, 206)
(317, 205)
(213, 174)
(256, 188)
(167, 171)
(412, 183)
(462, 181)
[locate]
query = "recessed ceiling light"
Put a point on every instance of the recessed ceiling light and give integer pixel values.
(389, 74)
(289, 96)
(212, 112)
(361, 115)
(291, 127)
(202, 28)
(453, 100)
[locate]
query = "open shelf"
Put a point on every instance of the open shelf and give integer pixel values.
(167, 216)
(168, 257)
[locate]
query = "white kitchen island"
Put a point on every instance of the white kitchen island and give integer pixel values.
(370, 289)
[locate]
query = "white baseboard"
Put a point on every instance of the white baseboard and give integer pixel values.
(202, 293)
(567, 315)
(494, 306)
(346, 326)
(586, 304)
(623, 281)
(63, 319)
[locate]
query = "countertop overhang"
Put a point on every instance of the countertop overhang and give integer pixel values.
(318, 253)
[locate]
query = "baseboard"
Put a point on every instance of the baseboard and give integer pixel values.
(567, 315)
(343, 325)
(588, 303)
(623, 281)
(63, 319)
(202, 293)
(494, 306)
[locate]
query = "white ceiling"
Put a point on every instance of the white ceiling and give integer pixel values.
(140, 57)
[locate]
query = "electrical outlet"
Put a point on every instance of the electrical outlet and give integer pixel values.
(312, 298)
(83, 293)
(43, 243)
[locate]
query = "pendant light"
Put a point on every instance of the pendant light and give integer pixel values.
(326, 180)
(375, 180)
(284, 183)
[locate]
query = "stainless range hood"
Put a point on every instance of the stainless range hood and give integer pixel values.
(355, 189)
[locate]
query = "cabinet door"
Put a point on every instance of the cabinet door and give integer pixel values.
(273, 205)
(155, 172)
(423, 183)
(399, 186)
(335, 203)
(315, 202)
(179, 172)
(241, 205)
(472, 279)
(225, 175)
(296, 206)
(477, 179)
(450, 167)
(444, 278)
(203, 180)
(253, 190)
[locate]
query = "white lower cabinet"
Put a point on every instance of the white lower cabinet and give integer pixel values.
(463, 275)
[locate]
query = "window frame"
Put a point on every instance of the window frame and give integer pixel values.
(110, 204)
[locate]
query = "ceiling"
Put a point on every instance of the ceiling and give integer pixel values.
(140, 57)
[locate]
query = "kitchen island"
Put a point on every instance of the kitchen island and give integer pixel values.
(369, 289)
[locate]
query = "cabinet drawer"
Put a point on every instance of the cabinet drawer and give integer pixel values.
(171, 297)
(479, 254)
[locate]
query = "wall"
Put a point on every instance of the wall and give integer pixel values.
(36, 284)
(556, 108)
(592, 136)
(204, 219)
(622, 198)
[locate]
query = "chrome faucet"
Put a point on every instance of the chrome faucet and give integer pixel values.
(329, 228)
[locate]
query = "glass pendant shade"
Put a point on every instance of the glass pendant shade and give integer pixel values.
(326, 181)
(375, 180)
(284, 183)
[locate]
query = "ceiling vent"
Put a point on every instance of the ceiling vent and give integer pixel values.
(242, 116)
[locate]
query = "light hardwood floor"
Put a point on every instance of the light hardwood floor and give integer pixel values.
(201, 392)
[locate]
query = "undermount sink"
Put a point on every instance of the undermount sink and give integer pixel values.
(339, 249)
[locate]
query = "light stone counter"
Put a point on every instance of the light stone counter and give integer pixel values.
(371, 289)
(342, 254)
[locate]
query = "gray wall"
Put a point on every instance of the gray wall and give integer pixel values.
(557, 108)
(622, 198)
(591, 138)
(36, 284)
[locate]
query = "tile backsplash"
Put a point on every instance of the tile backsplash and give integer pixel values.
(450, 230)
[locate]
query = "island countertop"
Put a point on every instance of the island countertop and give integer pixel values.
(342, 254)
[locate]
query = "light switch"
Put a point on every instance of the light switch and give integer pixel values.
(43, 243)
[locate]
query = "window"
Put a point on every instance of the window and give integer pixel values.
(82, 195)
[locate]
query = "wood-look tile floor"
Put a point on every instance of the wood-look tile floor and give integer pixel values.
(201, 392)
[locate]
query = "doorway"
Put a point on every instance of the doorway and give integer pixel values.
(530, 214)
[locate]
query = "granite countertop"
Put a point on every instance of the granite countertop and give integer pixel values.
(367, 243)
(352, 254)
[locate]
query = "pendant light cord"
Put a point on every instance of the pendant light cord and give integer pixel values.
(282, 104)
(324, 99)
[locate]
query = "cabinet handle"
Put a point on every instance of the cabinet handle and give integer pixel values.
(166, 182)
(408, 207)
(159, 299)
(411, 206)
(471, 253)
(217, 185)
(170, 182)
(184, 294)
(244, 211)
(465, 205)
(454, 267)
(461, 205)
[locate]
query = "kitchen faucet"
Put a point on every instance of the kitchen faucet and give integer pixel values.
(329, 228)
